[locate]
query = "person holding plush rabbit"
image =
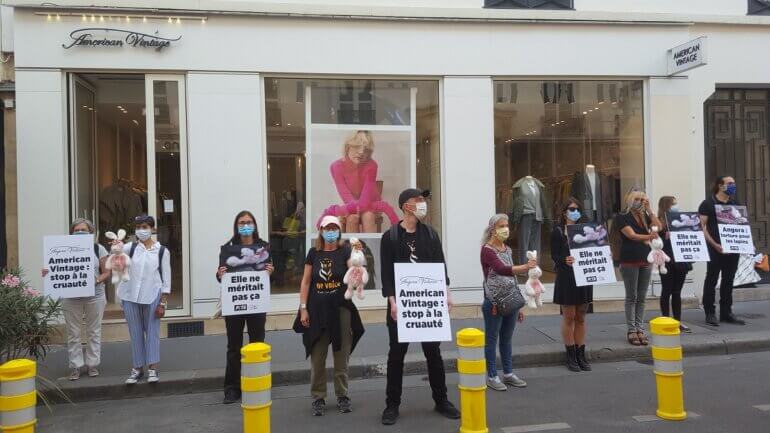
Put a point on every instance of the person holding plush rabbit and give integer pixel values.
(244, 233)
(574, 300)
(673, 280)
(635, 226)
(144, 297)
(499, 286)
(91, 307)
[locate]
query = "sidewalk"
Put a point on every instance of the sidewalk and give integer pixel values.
(196, 364)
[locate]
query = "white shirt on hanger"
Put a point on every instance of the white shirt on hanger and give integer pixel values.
(145, 283)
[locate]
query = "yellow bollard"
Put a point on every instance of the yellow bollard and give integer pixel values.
(256, 382)
(18, 396)
(667, 357)
(472, 367)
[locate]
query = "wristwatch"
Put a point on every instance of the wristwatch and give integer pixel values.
(303, 306)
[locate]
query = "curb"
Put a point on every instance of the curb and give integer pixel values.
(188, 382)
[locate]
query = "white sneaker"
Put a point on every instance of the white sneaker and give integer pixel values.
(152, 376)
(136, 374)
(93, 372)
(75, 374)
(496, 384)
(513, 380)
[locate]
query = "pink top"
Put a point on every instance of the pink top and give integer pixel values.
(356, 182)
(490, 260)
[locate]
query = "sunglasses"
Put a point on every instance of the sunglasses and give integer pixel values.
(572, 208)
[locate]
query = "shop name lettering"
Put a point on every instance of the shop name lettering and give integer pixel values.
(687, 55)
(86, 38)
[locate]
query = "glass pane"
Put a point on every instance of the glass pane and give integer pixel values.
(355, 172)
(168, 178)
(567, 134)
(84, 148)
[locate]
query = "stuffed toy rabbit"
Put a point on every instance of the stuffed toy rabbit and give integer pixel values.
(657, 257)
(118, 262)
(533, 288)
(256, 259)
(356, 277)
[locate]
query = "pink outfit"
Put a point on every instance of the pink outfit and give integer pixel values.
(357, 186)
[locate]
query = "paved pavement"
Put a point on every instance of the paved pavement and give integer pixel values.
(196, 364)
(724, 393)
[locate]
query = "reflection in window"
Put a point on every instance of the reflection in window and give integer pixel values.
(575, 138)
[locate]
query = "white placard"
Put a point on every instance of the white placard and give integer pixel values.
(593, 257)
(421, 298)
(168, 206)
(687, 56)
(687, 239)
(71, 265)
(245, 293)
(734, 229)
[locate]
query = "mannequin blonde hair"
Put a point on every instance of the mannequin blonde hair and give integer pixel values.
(359, 138)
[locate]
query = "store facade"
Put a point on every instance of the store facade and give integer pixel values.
(194, 116)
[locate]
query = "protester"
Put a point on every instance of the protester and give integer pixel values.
(90, 308)
(723, 192)
(673, 280)
(574, 300)
(244, 233)
(145, 297)
(411, 241)
(501, 293)
(326, 317)
(635, 226)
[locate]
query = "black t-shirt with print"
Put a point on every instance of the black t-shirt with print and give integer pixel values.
(707, 208)
(327, 291)
(633, 251)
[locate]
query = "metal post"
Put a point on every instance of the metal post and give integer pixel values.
(667, 357)
(18, 396)
(256, 382)
(472, 367)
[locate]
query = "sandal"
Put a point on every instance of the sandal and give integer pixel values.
(633, 338)
(643, 338)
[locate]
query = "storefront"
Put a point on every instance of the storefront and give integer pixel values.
(192, 117)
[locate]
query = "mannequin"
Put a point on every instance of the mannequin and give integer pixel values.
(529, 212)
(593, 206)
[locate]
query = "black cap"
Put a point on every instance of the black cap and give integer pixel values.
(411, 193)
(142, 219)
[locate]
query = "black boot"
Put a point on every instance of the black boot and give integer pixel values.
(581, 358)
(572, 363)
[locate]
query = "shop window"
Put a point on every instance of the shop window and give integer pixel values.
(345, 148)
(529, 4)
(759, 7)
(576, 138)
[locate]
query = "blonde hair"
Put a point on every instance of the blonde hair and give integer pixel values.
(632, 196)
(359, 138)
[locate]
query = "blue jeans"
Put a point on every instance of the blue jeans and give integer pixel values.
(498, 327)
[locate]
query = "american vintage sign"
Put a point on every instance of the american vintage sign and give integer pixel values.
(105, 37)
(687, 56)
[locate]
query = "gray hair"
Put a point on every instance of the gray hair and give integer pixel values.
(490, 230)
(85, 221)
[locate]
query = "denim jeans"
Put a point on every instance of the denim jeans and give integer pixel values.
(498, 328)
(636, 279)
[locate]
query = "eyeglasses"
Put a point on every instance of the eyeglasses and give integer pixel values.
(572, 208)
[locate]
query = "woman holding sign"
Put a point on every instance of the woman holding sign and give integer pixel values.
(502, 301)
(326, 317)
(92, 308)
(635, 226)
(574, 300)
(245, 233)
(673, 280)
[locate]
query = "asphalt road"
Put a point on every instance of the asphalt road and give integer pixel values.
(722, 394)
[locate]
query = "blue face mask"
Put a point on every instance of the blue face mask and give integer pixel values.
(82, 232)
(331, 236)
(731, 189)
(247, 230)
(573, 215)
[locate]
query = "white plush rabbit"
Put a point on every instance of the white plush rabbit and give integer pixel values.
(118, 262)
(533, 288)
(356, 277)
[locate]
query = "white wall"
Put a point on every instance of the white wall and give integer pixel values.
(699, 7)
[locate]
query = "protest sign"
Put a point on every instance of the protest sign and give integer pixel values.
(421, 299)
(246, 292)
(71, 265)
(593, 258)
(734, 229)
(687, 239)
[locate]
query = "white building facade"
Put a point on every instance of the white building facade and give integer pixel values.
(193, 111)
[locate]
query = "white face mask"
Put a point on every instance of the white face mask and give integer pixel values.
(420, 210)
(143, 234)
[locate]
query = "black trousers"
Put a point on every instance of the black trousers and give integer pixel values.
(235, 325)
(727, 265)
(672, 283)
(396, 354)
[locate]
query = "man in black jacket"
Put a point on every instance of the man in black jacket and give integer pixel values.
(411, 241)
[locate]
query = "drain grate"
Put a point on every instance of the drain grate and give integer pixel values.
(185, 329)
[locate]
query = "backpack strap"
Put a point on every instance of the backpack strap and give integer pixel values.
(96, 251)
(132, 250)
